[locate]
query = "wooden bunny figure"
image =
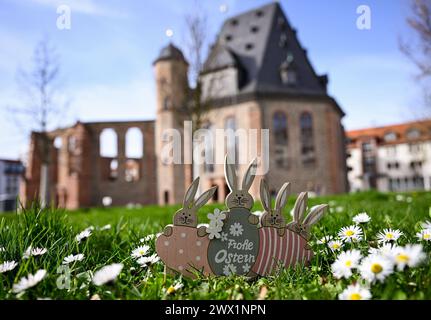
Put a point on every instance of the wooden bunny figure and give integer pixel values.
(182, 246)
(282, 246)
(235, 251)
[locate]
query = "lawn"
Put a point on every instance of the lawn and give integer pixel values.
(56, 230)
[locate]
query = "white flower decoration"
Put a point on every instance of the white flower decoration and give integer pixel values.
(246, 268)
(223, 236)
(214, 232)
(236, 229)
(229, 269)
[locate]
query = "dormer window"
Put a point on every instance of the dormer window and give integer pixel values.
(234, 22)
(259, 13)
(413, 134)
(288, 73)
(254, 29)
(390, 137)
(283, 40)
(249, 46)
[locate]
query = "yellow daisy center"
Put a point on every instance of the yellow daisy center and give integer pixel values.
(170, 290)
(349, 263)
(389, 236)
(355, 296)
(403, 258)
(376, 268)
(350, 233)
(427, 236)
(335, 246)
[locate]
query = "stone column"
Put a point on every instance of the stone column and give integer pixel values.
(121, 136)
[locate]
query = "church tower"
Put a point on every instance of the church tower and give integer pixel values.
(172, 90)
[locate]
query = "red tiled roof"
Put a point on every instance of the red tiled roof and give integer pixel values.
(401, 130)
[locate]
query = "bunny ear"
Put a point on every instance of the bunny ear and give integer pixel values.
(204, 197)
(300, 207)
(249, 175)
(190, 194)
(281, 200)
(264, 196)
(230, 174)
(315, 215)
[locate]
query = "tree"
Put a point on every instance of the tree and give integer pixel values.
(419, 51)
(41, 106)
(196, 106)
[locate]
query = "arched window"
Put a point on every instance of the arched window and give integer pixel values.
(108, 143)
(134, 143)
(307, 138)
(279, 123)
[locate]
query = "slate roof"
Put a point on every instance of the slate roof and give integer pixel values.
(170, 52)
(259, 42)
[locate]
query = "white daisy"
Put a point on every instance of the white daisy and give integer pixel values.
(144, 261)
(426, 224)
(386, 249)
(376, 267)
(350, 234)
(148, 238)
(73, 258)
(335, 245)
(7, 266)
(229, 269)
(345, 263)
(361, 218)
(34, 252)
(174, 288)
(324, 240)
(399, 197)
(236, 229)
(2, 249)
(410, 255)
(107, 274)
(389, 235)
(424, 234)
(140, 251)
(106, 227)
(30, 281)
(339, 209)
(83, 235)
(355, 292)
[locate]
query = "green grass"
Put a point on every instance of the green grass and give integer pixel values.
(56, 230)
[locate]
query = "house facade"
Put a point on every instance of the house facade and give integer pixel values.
(391, 158)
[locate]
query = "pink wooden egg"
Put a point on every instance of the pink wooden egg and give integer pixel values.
(184, 251)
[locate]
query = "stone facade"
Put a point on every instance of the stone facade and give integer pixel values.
(257, 76)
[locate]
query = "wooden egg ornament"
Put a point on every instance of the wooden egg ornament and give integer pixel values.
(234, 250)
(183, 247)
(281, 245)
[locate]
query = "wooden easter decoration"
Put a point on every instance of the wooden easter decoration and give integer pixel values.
(183, 246)
(236, 249)
(232, 243)
(281, 245)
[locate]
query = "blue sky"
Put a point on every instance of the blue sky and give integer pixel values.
(107, 55)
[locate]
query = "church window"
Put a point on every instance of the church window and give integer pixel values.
(307, 138)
